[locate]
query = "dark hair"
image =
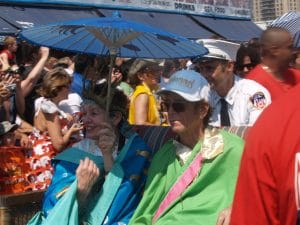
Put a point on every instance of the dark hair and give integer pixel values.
(169, 67)
(81, 62)
(247, 50)
(148, 67)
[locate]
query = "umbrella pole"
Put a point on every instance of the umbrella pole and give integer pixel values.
(108, 95)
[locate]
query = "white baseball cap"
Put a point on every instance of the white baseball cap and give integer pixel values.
(190, 85)
(219, 49)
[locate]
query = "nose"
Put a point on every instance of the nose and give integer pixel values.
(245, 69)
(86, 119)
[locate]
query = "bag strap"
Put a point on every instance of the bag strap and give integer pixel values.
(180, 185)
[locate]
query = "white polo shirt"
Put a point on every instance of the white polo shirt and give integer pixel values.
(245, 100)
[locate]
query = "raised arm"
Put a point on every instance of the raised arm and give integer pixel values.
(28, 84)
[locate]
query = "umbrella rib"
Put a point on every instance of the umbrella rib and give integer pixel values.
(90, 44)
(99, 36)
(39, 35)
(145, 46)
(146, 37)
(165, 52)
(127, 38)
(79, 40)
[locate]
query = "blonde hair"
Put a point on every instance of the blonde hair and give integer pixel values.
(53, 82)
(9, 40)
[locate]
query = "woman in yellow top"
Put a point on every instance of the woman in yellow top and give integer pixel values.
(143, 107)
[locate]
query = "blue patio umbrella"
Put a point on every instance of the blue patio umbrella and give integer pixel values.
(115, 37)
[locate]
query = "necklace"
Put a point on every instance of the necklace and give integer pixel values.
(266, 68)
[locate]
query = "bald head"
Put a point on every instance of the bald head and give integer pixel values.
(273, 37)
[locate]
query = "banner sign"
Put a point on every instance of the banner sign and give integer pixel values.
(216, 8)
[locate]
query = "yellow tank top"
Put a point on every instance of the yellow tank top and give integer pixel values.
(152, 115)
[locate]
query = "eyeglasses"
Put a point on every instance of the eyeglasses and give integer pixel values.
(178, 106)
(67, 86)
(209, 66)
(249, 66)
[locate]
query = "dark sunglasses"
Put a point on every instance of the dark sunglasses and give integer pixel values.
(249, 66)
(177, 106)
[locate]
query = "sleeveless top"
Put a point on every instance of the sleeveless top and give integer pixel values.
(152, 114)
(42, 151)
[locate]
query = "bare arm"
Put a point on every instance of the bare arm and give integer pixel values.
(59, 141)
(20, 99)
(4, 61)
(28, 84)
(141, 109)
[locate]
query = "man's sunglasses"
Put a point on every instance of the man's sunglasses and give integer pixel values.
(177, 106)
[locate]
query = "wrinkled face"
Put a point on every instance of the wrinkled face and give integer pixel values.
(92, 117)
(183, 115)
(214, 71)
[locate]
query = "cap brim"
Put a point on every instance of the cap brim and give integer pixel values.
(208, 58)
(183, 95)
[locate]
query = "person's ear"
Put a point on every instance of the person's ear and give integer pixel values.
(116, 119)
(141, 76)
(204, 108)
(230, 66)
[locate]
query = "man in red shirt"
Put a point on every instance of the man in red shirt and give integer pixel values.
(274, 72)
(268, 188)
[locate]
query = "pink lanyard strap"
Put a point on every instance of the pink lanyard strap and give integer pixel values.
(180, 185)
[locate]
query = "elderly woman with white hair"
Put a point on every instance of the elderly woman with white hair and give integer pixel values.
(192, 177)
(100, 179)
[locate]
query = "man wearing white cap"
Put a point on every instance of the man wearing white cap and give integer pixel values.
(235, 101)
(192, 177)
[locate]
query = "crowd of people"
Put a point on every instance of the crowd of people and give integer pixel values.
(97, 170)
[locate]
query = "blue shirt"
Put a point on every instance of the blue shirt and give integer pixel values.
(77, 83)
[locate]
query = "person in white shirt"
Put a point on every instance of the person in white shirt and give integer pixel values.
(242, 100)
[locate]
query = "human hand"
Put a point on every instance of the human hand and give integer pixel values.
(4, 91)
(44, 52)
(87, 174)
(107, 138)
(7, 79)
(69, 118)
(25, 141)
(224, 216)
(76, 127)
(116, 76)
